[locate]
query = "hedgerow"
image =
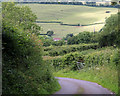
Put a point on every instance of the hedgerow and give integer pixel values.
(23, 69)
(89, 58)
(62, 50)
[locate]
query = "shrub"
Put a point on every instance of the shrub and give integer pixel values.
(58, 43)
(24, 71)
(111, 32)
(73, 60)
(86, 59)
(61, 50)
(50, 33)
(83, 37)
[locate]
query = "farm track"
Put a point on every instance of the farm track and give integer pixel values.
(61, 23)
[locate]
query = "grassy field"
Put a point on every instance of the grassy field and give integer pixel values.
(70, 14)
(61, 30)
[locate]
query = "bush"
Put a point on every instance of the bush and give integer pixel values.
(111, 32)
(86, 59)
(58, 43)
(116, 59)
(73, 60)
(24, 71)
(61, 50)
(83, 37)
(50, 33)
(68, 36)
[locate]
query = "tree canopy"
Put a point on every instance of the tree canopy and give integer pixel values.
(24, 71)
(110, 36)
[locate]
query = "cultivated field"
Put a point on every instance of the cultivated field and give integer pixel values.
(70, 14)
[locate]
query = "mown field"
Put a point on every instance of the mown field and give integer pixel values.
(70, 14)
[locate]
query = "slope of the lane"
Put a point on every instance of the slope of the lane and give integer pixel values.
(74, 86)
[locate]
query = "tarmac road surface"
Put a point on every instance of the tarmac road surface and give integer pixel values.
(75, 86)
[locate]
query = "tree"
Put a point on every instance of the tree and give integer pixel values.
(23, 69)
(58, 43)
(68, 35)
(50, 33)
(110, 35)
(83, 37)
(19, 16)
(72, 40)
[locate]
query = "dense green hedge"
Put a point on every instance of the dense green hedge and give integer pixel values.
(23, 69)
(88, 59)
(83, 37)
(110, 35)
(61, 50)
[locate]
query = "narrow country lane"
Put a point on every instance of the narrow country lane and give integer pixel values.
(75, 86)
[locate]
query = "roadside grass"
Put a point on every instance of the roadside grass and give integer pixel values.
(104, 75)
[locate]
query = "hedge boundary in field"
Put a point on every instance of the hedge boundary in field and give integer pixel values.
(65, 24)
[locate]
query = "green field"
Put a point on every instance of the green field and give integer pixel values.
(70, 14)
(61, 31)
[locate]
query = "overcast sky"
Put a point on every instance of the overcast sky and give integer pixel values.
(59, 0)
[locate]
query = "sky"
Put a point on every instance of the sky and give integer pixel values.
(59, 0)
(56, 0)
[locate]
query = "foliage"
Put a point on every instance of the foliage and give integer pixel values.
(68, 36)
(24, 71)
(116, 59)
(59, 43)
(100, 66)
(19, 16)
(73, 60)
(48, 41)
(111, 32)
(83, 37)
(50, 33)
(61, 50)
(88, 59)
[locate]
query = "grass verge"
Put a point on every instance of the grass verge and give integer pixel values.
(103, 75)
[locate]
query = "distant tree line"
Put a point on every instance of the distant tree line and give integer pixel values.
(94, 4)
(83, 37)
(110, 35)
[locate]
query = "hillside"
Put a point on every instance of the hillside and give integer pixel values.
(31, 61)
(70, 14)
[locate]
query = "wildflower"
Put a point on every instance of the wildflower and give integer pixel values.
(97, 68)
